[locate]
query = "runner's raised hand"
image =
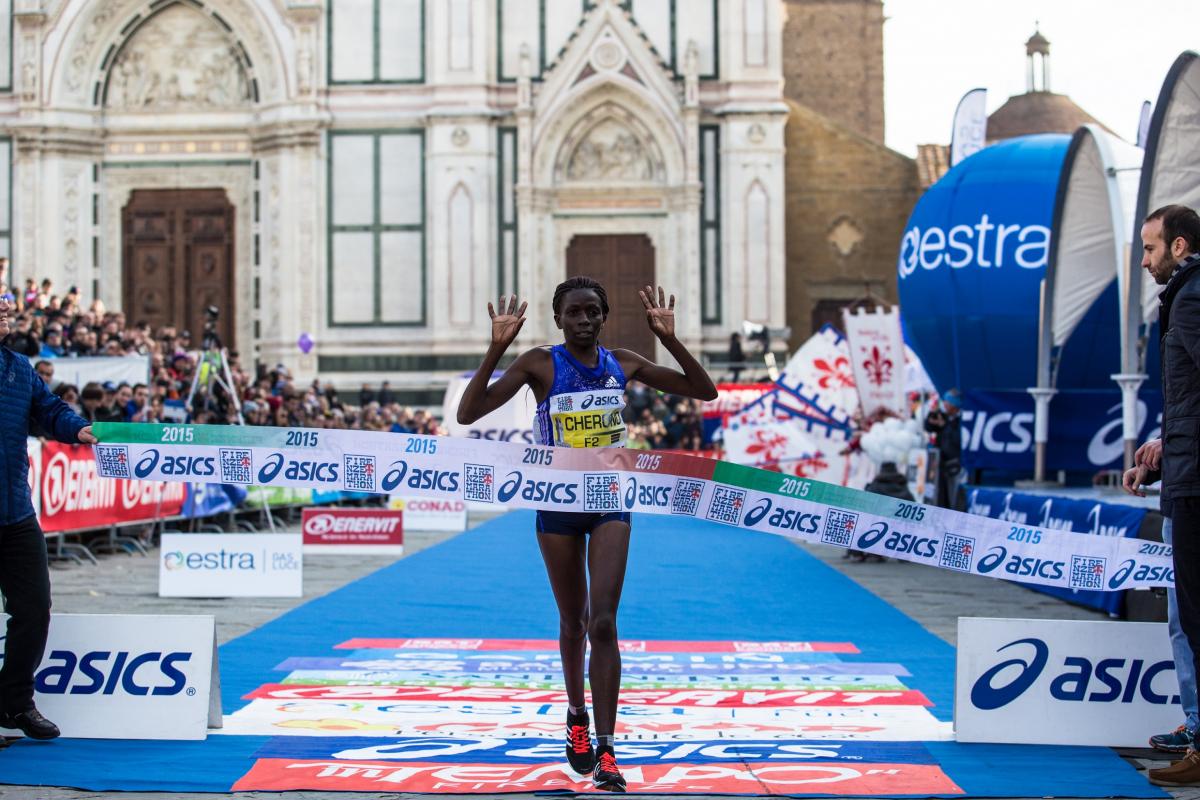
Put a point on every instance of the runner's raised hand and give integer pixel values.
(660, 315)
(507, 324)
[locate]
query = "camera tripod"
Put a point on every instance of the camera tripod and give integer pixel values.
(213, 367)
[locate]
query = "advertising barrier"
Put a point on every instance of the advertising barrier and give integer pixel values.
(1089, 517)
(1027, 681)
(112, 676)
(230, 565)
(353, 530)
(75, 497)
(431, 514)
(617, 480)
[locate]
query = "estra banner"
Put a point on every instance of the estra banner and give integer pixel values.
(74, 497)
(354, 530)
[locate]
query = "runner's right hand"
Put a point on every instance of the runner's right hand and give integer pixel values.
(507, 324)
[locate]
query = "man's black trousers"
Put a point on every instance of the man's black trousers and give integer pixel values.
(25, 582)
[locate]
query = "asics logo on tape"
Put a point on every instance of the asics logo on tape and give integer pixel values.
(416, 478)
(197, 466)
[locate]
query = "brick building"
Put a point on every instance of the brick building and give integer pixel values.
(848, 195)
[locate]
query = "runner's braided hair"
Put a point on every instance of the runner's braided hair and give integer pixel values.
(581, 282)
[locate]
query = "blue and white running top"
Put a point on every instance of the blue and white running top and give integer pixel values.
(583, 408)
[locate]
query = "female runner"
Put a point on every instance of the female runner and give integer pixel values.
(576, 547)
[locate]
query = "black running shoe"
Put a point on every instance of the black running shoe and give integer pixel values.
(580, 753)
(607, 777)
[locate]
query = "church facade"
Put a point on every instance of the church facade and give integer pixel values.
(372, 172)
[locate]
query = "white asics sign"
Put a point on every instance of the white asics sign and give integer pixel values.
(111, 676)
(1024, 681)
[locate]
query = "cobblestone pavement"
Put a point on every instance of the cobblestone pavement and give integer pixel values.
(129, 584)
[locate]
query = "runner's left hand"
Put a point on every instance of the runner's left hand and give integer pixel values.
(660, 315)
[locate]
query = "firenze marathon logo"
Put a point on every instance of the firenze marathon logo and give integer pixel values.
(112, 461)
(985, 245)
(687, 497)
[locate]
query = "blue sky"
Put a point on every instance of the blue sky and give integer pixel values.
(1108, 55)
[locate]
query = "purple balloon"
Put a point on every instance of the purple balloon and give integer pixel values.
(305, 343)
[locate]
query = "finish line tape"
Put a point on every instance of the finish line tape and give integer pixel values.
(616, 480)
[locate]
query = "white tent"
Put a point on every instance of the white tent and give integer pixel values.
(1089, 249)
(1171, 173)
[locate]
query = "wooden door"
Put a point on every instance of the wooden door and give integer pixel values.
(622, 264)
(178, 260)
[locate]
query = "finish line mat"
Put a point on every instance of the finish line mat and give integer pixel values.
(751, 668)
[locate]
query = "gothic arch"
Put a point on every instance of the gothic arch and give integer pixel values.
(607, 135)
(93, 35)
(609, 144)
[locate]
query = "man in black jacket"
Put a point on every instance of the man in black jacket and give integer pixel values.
(1171, 245)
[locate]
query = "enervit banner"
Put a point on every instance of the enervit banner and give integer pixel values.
(352, 530)
(613, 480)
(641, 723)
(431, 514)
(108, 676)
(75, 497)
(230, 565)
(1064, 682)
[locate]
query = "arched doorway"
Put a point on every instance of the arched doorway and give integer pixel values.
(178, 260)
(623, 264)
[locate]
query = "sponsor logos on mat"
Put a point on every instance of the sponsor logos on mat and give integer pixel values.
(486, 715)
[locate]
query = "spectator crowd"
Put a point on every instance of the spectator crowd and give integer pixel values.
(48, 326)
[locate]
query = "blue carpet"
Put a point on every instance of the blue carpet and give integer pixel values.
(687, 580)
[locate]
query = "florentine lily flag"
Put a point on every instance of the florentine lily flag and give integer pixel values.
(877, 357)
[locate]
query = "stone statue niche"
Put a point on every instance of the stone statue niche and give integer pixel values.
(178, 59)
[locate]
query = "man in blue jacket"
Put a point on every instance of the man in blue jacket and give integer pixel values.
(24, 573)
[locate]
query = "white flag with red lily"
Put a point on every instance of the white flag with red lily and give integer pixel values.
(877, 356)
(821, 374)
(802, 448)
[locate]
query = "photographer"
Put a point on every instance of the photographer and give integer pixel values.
(946, 426)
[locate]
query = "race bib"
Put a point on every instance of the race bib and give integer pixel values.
(588, 419)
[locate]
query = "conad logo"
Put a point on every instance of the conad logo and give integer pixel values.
(984, 244)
